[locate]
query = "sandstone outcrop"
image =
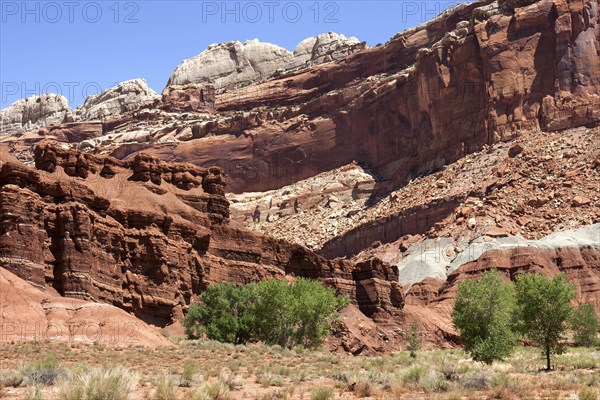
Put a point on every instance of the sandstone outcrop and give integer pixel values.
(33, 112)
(345, 212)
(234, 64)
(190, 97)
(148, 236)
(477, 75)
(477, 129)
(125, 97)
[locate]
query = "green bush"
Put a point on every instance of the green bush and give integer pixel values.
(484, 315)
(224, 314)
(585, 326)
(292, 314)
(273, 311)
(544, 310)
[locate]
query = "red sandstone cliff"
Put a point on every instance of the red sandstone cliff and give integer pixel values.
(148, 236)
(476, 75)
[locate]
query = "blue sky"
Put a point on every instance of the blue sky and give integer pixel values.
(77, 48)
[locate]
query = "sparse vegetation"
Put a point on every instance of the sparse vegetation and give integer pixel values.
(217, 390)
(588, 393)
(189, 373)
(98, 384)
(273, 372)
(322, 393)
(42, 372)
(166, 388)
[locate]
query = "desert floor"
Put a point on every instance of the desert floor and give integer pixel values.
(211, 370)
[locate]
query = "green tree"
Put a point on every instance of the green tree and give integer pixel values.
(298, 313)
(484, 314)
(225, 314)
(585, 325)
(273, 314)
(272, 311)
(544, 310)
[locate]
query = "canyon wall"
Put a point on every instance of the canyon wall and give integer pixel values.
(148, 236)
(478, 74)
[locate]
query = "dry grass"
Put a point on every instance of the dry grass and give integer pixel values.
(214, 371)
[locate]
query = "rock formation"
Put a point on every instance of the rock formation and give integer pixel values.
(479, 74)
(33, 112)
(124, 97)
(190, 97)
(234, 64)
(477, 128)
(148, 236)
(574, 253)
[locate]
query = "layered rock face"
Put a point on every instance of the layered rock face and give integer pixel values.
(478, 128)
(148, 236)
(233, 64)
(530, 186)
(479, 74)
(33, 112)
(575, 253)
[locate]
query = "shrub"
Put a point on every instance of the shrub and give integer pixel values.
(413, 376)
(585, 326)
(363, 388)
(544, 310)
(42, 372)
(272, 311)
(414, 340)
(451, 370)
(98, 384)
(224, 314)
(322, 393)
(232, 381)
(166, 388)
(434, 382)
(477, 380)
(588, 393)
(217, 390)
(484, 315)
(189, 373)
